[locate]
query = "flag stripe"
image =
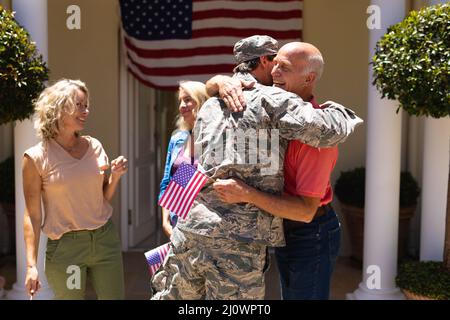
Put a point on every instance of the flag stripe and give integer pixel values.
(192, 197)
(187, 61)
(219, 13)
(171, 194)
(192, 187)
(199, 183)
(181, 44)
(162, 253)
(178, 53)
(164, 199)
(182, 207)
(174, 197)
(166, 80)
(239, 23)
(167, 83)
(183, 188)
(274, 5)
(242, 33)
(177, 71)
(178, 203)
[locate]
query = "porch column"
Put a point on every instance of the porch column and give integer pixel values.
(436, 157)
(33, 16)
(382, 179)
(434, 188)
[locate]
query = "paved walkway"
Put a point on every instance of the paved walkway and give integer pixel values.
(346, 277)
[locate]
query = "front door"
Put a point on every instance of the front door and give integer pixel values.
(142, 219)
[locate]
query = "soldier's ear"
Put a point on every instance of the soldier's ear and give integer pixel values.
(263, 60)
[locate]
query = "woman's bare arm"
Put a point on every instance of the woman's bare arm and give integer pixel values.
(32, 186)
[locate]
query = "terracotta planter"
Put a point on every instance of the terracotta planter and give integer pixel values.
(412, 296)
(354, 218)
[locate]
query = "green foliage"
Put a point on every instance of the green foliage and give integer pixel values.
(427, 278)
(409, 190)
(7, 185)
(350, 188)
(411, 62)
(22, 70)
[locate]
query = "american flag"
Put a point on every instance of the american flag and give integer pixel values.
(155, 257)
(182, 190)
(167, 41)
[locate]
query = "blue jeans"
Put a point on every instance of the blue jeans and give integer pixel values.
(307, 261)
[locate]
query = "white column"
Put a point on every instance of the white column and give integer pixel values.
(32, 15)
(435, 183)
(436, 157)
(382, 179)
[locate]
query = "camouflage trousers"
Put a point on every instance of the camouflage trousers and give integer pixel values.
(200, 267)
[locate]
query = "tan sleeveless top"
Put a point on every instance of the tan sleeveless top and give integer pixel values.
(72, 189)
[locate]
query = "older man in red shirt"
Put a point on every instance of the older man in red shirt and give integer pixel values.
(312, 229)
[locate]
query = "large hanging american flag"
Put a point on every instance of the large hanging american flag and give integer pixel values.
(172, 40)
(179, 196)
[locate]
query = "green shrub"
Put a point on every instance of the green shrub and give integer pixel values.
(411, 62)
(22, 70)
(350, 188)
(427, 278)
(7, 186)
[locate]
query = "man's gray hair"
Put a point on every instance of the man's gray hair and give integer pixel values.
(316, 65)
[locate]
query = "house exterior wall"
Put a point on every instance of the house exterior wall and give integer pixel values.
(92, 55)
(338, 29)
(6, 4)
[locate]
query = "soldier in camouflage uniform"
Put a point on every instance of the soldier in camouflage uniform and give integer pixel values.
(220, 250)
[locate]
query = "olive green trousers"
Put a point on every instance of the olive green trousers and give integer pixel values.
(78, 255)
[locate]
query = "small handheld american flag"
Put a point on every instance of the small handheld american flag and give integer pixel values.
(186, 183)
(155, 257)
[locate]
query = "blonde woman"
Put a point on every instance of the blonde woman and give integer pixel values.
(191, 96)
(67, 171)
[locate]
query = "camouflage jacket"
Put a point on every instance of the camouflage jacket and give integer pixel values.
(250, 145)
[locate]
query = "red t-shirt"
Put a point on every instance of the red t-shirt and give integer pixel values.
(307, 169)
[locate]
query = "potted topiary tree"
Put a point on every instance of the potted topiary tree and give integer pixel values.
(350, 190)
(22, 77)
(412, 64)
(22, 70)
(424, 280)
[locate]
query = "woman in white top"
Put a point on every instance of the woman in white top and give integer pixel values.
(67, 171)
